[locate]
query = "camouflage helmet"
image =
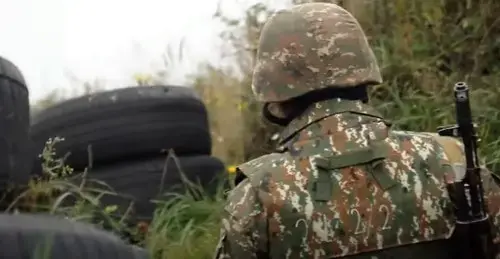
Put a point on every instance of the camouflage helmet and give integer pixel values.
(308, 47)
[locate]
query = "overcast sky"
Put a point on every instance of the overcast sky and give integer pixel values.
(57, 43)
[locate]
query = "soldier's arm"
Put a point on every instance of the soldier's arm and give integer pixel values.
(240, 231)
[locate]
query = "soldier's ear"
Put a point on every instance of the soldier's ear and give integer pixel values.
(272, 117)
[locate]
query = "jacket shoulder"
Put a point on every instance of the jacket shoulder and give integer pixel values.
(255, 170)
(451, 148)
(244, 201)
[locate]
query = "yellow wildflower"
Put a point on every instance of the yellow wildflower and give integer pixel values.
(231, 169)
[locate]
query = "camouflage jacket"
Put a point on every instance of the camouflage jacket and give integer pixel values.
(347, 186)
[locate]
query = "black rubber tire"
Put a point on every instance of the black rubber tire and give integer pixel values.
(124, 124)
(14, 125)
(140, 181)
(26, 236)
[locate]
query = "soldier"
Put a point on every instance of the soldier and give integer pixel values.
(343, 183)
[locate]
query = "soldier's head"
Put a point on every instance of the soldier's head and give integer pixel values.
(311, 51)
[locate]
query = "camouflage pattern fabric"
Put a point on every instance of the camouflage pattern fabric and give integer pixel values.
(308, 47)
(347, 186)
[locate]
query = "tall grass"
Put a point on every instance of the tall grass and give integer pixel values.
(185, 225)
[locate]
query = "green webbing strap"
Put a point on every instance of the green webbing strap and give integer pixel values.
(376, 151)
(322, 188)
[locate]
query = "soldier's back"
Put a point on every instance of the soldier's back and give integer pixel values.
(355, 190)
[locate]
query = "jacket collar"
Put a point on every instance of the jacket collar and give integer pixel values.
(324, 109)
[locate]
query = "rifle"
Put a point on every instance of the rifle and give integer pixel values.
(472, 237)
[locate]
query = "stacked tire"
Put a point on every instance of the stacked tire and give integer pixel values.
(40, 236)
(26, 236)
(14, 126)
(126, 138)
